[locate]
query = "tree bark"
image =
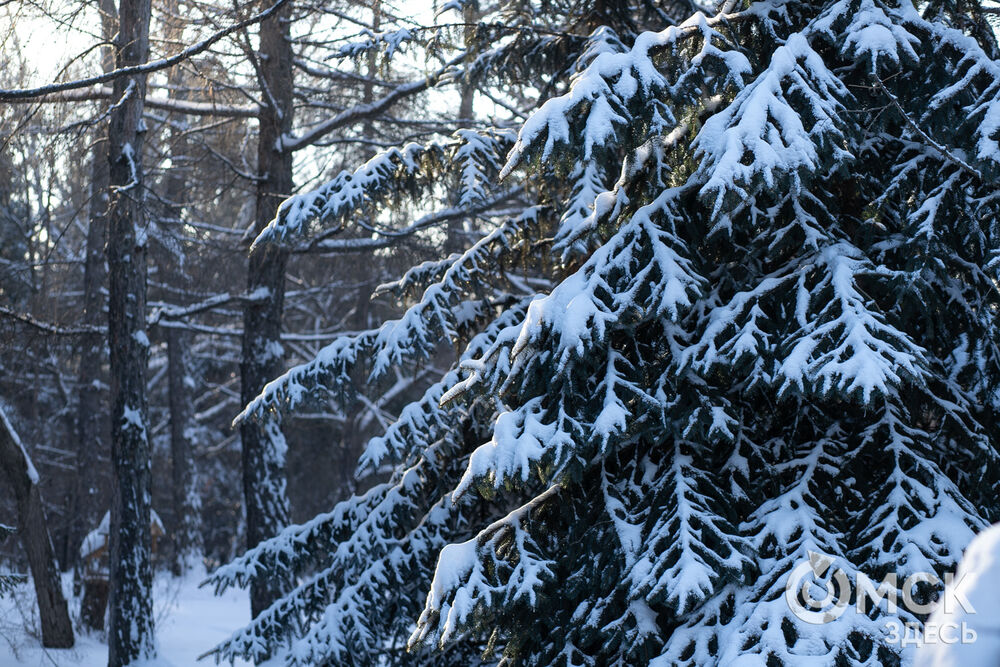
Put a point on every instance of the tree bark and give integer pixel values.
(130, 631)
(186, 527)
(187, 503)
(456, 238)
(264, 481)
(88, 500)
(57, 631)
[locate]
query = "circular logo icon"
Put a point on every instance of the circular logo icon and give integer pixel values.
(810, 577)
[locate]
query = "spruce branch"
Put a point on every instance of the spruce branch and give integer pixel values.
(942, 150)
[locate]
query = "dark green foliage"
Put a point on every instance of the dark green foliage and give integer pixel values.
(745, 325)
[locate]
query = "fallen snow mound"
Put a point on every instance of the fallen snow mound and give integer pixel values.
(968, 635)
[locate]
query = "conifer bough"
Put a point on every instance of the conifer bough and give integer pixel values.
(746, 313)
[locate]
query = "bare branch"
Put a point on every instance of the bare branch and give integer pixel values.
(173, 105)
(385, 238)
(48, 327)
(144, 68)
(217, 301)
(319, 336)
(364, 111)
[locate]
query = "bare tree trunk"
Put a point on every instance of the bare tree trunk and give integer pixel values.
(187, 503)
(130, 631)
(264, 481)
(368, 90)
(57, 631)
(457, 239)
(88, 501)
(470, 15)
(186, 528)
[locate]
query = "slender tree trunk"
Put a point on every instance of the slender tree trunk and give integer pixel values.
(187, 503)
(264, 446)
(456, 239)
(186, 528)
(130, 632)
(57, 631)
(368, 90)
(88, 500)
(470, 15)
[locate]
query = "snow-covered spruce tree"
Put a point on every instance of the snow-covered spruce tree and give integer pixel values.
(747, 313)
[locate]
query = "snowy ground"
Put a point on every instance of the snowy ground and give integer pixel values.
(189, 621)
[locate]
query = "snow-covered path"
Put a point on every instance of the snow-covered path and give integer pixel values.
(189, 621)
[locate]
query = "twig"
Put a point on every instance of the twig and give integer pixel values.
(48, 327)
(945, 153)
(145, 68)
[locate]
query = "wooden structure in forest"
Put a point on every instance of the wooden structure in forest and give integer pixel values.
(96, 574)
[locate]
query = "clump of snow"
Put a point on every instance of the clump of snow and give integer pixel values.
(133, 418)
(969, 604)
(32, 473)
(763, 122)
(96, 538)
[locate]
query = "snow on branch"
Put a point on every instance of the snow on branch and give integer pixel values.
(48, 327)
(868, 32)
(443, 311)
(11, 435)
(347, 193)
(474, 154)
(641, 270)
(382, 238)
(778, 126)
(364, 541)
(502, 561)
(173, 105)
(913, 533)
(942, 150)
(431, 418)
(602, 93)
(848, 346)
(387, 42)
(984, 109)
(692, 550)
